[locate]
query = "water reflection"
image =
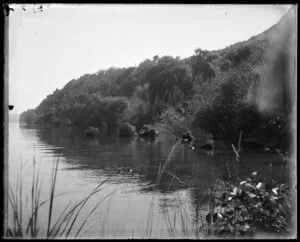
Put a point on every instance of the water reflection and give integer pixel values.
(136, 161)
(111, 154)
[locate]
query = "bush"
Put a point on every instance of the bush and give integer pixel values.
(276, 131)
(251, 205)
(67, 122)
(126, 130)
(138, 112)
(239, 55)
(230, 113)
(92, 132)
(175, 119)
(219, 121)
(115, 108)
(103, 127)
(148, 131)
(224, 64)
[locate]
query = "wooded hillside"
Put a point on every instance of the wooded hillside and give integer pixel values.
(211, 91)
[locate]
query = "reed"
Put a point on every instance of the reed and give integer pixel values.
(149, 224)
(179, 221)
(237, 151)
(65, 226)
(164, 166)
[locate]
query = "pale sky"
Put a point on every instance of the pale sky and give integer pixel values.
(48, 49)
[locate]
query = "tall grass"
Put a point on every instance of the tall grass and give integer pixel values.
(65, 226)
(162, 168)
(237, 151)
(179, 221)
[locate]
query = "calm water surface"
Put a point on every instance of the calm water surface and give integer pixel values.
(134, 207)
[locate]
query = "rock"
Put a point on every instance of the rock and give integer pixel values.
(187, 137)
(127, 130)
(190, 147)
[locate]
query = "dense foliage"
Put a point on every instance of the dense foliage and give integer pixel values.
(252, 205)
(212, 91)
(126, 130)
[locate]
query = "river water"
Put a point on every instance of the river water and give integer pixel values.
(131, 204)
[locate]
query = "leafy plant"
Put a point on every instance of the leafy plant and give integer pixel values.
(253, 204)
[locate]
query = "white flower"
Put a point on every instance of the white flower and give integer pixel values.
(235, 190)
(247, 226)
(251, 195)
(258, 186)
(254, 173)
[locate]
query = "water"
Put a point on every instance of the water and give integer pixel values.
(135, 207)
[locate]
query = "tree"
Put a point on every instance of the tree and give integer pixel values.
(115, 108)
(28, 117)
(200, 65)
(166, 78)
(155, 58)
(141, 71)
(126, 83)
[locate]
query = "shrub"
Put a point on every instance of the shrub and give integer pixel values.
(92, 132)
(250, 205)
(103, 127)
(57, 122)
(138, 112)
(148, 131)
(67, 122)
(224, 64)
(126, 130)
(219, 121)
(239, 55)
(174, 119)
(276, 131)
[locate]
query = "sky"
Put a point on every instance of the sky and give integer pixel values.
(49, 48)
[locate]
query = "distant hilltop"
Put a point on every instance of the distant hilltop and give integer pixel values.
(13, 117)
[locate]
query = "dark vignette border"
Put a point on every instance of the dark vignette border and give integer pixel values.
(5, 87)
(4, 114)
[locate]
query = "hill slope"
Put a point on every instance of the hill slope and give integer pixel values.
(169, 91)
